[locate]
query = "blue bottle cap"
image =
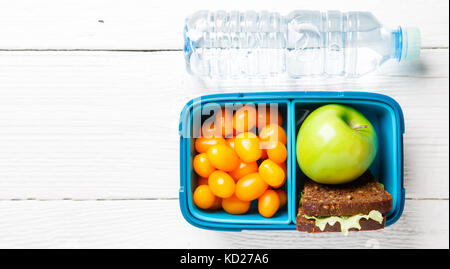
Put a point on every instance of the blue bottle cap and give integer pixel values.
(411, 43)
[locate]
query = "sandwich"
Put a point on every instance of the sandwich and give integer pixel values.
(360, 205)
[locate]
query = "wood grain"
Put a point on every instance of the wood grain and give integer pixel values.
(158, 24)
(90, 95)
(87, 125)
(159, 224)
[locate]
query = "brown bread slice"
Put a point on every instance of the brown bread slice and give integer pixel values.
(357, 197)
(307, 225)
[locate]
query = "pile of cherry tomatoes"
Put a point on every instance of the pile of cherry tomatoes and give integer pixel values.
(236, 164)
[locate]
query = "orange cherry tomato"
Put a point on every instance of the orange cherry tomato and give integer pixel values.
(202, 144)
(202, 165)
(284, 167)
(283, 197)
(221, 184)
(224, 119)
(244, 119)
(244, 169)
(216, 205)
(247, 147)
(230, 142)
(202, 181)
(250, 187)
(265, 115)
(209, 129)
(203, 197)
(272, 173)
(268, 203)
(235, 206)
(277, 151)
(273, 132)
(264, 154)
(223, 157)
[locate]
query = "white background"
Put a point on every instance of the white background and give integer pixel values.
(90, 96)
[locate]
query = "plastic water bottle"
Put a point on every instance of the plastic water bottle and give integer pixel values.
(302, 44)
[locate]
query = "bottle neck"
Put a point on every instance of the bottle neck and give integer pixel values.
(398, 43)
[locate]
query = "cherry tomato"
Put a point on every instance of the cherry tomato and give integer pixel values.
(202, 165)
(250, 187)
(284, 167)
(247, 147)
(273, 132)
(204, 197)
(283, 197)
(209, 129)
(202, 144)
(272, 173)
(244, 169)
(264, 154)
(224, 119)
(244, 119)
(216, 205)
(223, 157)
(221, 184)
(202, 181)
(230, 142)
(268, 203)
(277, 151)
(264, 116)
(235, 206)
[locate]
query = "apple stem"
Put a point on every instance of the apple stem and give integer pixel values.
(359, 127)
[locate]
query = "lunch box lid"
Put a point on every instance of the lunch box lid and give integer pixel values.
(327, 96)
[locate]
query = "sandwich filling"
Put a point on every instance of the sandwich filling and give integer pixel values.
(346, 222)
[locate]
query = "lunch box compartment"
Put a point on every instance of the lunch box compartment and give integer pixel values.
(384, 113)
(387, 164)
(282, 217)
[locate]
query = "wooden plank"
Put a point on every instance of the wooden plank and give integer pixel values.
(158, 24)
(148, 224)
(88, 125)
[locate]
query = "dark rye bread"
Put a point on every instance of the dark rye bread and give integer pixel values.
(357, 197)
(308, 225)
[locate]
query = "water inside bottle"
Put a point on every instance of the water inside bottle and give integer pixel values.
(301, 44)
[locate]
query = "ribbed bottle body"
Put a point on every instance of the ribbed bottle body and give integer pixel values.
(301, 44)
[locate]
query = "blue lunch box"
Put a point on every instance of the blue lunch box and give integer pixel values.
(384, 113)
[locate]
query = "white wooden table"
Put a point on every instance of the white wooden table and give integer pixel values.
(90, 95)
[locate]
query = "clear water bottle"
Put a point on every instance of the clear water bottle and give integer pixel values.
(302, 44)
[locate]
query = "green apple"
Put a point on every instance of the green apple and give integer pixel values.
(336, 144)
